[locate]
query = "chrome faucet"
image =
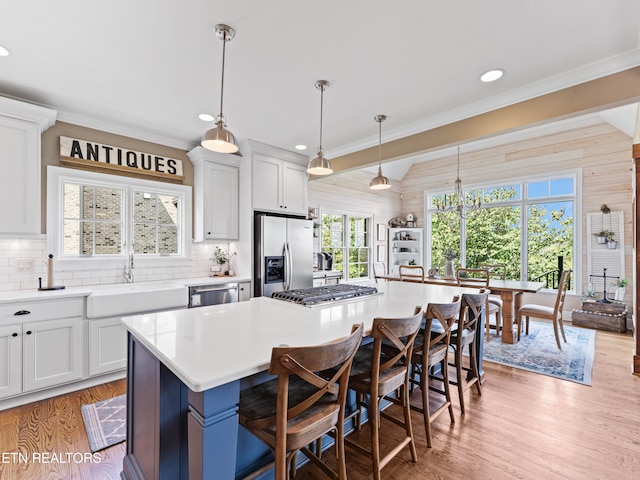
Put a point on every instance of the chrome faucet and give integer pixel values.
(128, 269)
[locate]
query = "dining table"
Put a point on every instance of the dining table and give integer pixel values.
(510, 291)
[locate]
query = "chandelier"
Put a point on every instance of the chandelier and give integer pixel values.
(458, 202)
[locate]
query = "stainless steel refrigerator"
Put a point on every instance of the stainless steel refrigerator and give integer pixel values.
(283, 254)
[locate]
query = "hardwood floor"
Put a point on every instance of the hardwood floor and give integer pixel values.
(524, 426)
(55, 426)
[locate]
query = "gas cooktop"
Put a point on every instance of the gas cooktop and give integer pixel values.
(316, 296)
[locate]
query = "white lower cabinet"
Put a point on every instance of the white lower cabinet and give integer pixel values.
(244, 291)
(51, 353)
(42, 342)
(11, 351)
(107, 346)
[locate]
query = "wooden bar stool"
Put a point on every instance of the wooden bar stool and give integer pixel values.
(464, 335)
(479, 278)
(430, 349)
(379, 370)
(299, 406)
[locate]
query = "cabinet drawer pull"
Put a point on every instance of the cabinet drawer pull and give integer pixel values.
(14, 334)
(28, 332)
(22, 312)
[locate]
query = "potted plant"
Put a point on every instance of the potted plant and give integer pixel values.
(222, 258)
(449, 255)
(620, 284)
(603, 236)
(611, 243)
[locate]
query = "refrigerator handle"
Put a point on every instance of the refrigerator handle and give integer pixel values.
(288, 267)
(285, 253)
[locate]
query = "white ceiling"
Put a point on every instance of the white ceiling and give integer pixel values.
(147, 68)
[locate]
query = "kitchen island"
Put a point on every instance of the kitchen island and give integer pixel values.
(186, 369)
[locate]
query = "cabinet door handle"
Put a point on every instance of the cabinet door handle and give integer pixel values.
(22, 312)
(14, 334)
(28, 332)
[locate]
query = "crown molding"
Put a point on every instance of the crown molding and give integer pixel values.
(579, 75)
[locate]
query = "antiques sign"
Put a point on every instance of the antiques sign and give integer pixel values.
(85, 153)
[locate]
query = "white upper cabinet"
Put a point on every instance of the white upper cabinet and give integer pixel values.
(216, 194)
(279, 179)
(21, 125)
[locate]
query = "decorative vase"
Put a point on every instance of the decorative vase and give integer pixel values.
(619, 294)
(612, 244)
(449, 270)
(602, 240)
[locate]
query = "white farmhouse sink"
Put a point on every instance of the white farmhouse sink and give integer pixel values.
(130, 298)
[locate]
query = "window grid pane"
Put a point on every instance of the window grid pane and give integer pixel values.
(493, 235)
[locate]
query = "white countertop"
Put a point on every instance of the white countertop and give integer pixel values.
(22, 296)
(326, 273)
(210, 346)
(192, 282)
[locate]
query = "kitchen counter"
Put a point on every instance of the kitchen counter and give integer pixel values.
(22, 296)
(326, 273)
(186, 370)
(190, 343)
(192, 282)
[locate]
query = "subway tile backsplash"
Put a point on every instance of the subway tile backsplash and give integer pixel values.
(23, 260)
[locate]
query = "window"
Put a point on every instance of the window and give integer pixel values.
(347, 239)
(100, 217)
(528, 225)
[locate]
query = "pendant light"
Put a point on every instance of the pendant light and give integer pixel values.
(218, 138)
(380, 182)
(320, 165)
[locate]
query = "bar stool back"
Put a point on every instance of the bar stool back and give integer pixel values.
(430, 349)
(300, 406)
(383, 368)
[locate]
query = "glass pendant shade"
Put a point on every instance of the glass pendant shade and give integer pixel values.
(219, 139)
(379, 182)
(320, 165)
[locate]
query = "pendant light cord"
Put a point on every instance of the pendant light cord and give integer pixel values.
(224, 48)
(321, 111)
(380, 147)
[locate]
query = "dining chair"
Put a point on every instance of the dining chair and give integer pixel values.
(301, 405)
(379, 270)
(378, 372)
(547, 313)
(498, 272)
(411, 273)
(463, 334)
(479, 278)
(430, 349)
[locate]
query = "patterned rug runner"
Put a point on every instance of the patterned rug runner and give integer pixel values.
(105, 422)
(538, 352)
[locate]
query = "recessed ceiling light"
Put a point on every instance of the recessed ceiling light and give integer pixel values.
(3, 52)
(301, 147)
(206, 117)
(492, 75)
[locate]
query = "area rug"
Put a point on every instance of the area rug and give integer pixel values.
(538, 352)
(105, 422)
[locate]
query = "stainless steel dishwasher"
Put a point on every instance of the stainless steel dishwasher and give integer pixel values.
(203, 295)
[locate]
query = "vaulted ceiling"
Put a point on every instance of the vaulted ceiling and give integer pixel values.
(147, 68)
